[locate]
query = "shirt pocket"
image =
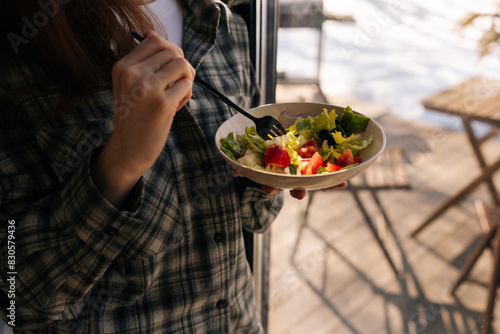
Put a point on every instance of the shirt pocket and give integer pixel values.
(160, 211)
(128, 281)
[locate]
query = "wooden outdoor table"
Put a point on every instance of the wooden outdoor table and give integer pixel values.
(475, 100)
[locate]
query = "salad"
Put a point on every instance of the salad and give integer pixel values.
(314, 145)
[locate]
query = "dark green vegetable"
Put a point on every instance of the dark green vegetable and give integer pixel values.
(353, 123)
(339, 128)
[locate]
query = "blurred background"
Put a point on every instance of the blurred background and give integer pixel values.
(389, 52)
(349, 261)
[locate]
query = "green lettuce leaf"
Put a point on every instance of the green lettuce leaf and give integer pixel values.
(353, 142)
(231, 147)
(324, 121)
(339, 139)
(252, 140)
(356, 145)
(303, 125)
(327, 152)
(253, 160)
(353, 123)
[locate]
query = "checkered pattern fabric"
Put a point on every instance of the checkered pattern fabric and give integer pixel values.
(176, 262)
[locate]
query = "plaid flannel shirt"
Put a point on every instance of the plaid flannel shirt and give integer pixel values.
(176, 264)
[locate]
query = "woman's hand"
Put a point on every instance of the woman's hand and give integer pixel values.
(299, 193)
(295, 193)
(150, 85)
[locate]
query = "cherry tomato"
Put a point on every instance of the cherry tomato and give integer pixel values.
(308, 149)
(277, 156)
(346, 158)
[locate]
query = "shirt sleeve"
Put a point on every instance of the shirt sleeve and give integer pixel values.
(258, 210)
(66, 233)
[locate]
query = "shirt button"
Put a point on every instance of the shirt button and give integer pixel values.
(111, 231)
(219, 237)
(221, 304)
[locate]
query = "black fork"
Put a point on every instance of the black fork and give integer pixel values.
(266, 126)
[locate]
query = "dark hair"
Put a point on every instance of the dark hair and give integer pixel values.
(76, 41)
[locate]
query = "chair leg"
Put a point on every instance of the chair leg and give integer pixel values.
(492, 288)
(306, 212)
(374, 231)
(303, 223)
(471, 261)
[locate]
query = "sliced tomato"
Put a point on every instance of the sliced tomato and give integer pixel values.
(313, 165)
(331, 167)
(357, 159)
(276, 156)
(308, 149)
(346, 158)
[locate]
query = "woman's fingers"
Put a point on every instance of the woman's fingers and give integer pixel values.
(336, 187)
(270, 190)
(235, 173)
(158, 60)
(173, 71)
(150, 33)
(295, 193)
(152, 44)
(183, 88)
(298, 193)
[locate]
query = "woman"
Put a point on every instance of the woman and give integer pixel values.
(125, 219)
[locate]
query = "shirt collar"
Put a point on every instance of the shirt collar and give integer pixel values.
(202, 20)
